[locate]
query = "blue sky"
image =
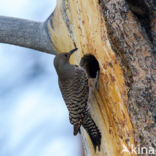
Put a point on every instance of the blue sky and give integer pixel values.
(33, 117)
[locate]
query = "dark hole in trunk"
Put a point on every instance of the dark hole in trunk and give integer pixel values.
(90, 64)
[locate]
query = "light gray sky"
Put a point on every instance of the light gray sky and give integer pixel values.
(33, 117)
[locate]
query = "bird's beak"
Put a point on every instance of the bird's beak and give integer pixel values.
(72, 51)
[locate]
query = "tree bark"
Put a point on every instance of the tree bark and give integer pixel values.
(121, 35)
(132, 38)
(124, 106)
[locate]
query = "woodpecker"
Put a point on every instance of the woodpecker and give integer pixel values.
(73, 83)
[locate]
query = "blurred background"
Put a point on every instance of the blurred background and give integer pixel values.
(33, 117)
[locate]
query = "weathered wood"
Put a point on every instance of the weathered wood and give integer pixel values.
(121, 34)
(25, 33)
(82, 24)
(133, 45)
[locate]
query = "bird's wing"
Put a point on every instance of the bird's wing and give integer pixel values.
(75, 92)
(79, 93)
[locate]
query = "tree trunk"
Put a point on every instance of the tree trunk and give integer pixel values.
(121, 34)
(123, 107)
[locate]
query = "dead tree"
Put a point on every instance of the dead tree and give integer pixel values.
(121, 34)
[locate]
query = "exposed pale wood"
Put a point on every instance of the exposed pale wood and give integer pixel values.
(124, 106)
(80, 23)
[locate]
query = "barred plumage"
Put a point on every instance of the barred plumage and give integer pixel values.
(75, 92)
(73, 83)
(92, 130)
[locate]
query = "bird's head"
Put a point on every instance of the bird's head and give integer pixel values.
(62, 59)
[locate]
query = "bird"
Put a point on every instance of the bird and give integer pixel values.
(73, 84)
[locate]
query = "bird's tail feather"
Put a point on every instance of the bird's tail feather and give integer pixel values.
(76, 129)
(92, 130)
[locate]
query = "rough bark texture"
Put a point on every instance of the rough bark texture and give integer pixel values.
(121, 34)
(132, 40)
(122, 38)
(81, 24)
